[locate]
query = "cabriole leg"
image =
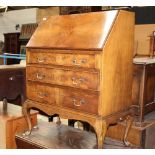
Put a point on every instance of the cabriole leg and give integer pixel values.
(101, 129)
(26, 113)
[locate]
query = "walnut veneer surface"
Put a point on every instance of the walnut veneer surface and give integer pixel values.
(80, 67)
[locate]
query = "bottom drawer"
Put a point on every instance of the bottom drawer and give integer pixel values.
(87, 102)
(41, 93)
(83, 101)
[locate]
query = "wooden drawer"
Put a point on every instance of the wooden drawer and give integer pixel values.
(41, 93)
(87, 102)
(76, 60)
(78, 79)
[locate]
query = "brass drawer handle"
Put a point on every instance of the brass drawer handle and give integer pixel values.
(42, 95)
(40, 60)
(82, 61)
(77, 81)
(40, 76)
(78, 104)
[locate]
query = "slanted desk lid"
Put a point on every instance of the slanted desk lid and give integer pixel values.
(78, 31)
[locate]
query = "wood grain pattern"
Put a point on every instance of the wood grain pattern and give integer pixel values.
(80, 101)
(41, 93)
(143, 89)
(105, 39)
(12, 121)
(141, 134)
(77, 79)
(117, 66)
(142, 39)
(83, 31)
(116, 132)
(49, 58)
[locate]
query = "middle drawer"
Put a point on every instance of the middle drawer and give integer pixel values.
(78, 79)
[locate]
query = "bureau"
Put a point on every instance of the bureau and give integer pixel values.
(80, 67)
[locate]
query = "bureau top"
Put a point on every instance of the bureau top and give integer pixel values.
(87, 31)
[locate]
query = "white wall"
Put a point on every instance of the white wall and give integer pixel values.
(8, 20)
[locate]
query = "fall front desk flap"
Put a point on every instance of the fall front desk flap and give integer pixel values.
(87, 31)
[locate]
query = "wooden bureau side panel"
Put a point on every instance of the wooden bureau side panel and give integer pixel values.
(77, 79)
(117, 64)
(82, 101)
(48, 57)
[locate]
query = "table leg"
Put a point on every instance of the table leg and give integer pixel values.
(129, 121)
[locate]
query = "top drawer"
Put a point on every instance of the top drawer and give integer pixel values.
(73, 60)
